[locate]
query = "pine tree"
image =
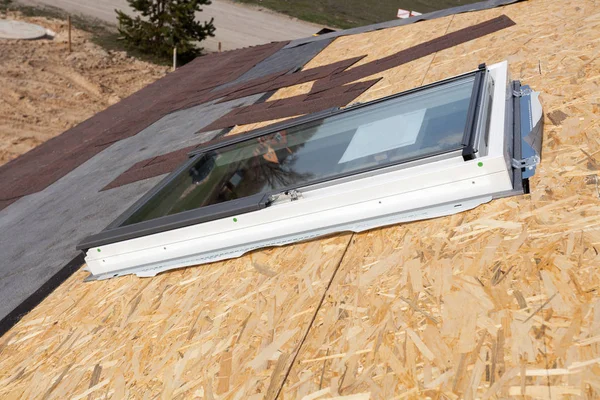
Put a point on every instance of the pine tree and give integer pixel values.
(162, 25)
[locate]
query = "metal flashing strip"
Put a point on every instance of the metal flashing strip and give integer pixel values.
(416, 214)
(532, 130)
(469, 148)
(525, 134)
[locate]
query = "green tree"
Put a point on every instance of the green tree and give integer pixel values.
(161, 25)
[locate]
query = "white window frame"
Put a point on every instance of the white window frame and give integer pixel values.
(395, 194)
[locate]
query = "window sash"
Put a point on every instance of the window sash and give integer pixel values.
(116, 232)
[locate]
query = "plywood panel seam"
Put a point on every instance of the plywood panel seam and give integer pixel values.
(314, 317)
(435, 54)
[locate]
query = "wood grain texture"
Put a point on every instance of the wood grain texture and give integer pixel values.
(219, 330)
(498, 302)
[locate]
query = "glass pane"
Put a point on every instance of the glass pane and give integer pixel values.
(416, 125)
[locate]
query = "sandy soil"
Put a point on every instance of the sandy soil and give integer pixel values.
(44, 90)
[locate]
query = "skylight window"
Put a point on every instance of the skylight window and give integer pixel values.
(435, 150)
(421, 124)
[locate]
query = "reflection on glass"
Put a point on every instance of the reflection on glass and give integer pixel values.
(417, 125)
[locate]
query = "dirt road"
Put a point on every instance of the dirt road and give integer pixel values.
(237, 25)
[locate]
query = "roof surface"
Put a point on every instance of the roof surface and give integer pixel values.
(494, 302)
(52, 195)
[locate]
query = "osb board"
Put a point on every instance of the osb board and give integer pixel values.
(498, 302)
(475, 305)
(437, 308)
(225, 330)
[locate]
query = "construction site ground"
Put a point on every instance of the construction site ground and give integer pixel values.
(45, 90)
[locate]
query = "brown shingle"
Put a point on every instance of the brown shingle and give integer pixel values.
(291, 106)
(150, 168)
(413, 53)
(290, 80)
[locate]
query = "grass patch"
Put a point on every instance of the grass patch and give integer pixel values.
(103, 34)
(346, 14)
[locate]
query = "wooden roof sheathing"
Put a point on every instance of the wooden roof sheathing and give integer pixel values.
(498, 302)
(197, 332)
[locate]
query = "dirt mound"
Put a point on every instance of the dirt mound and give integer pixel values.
(44, 90)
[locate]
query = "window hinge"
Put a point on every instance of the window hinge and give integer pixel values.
(527, 163)
(294, 195)
(358, 103)
(289, 195)
(522, 92)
